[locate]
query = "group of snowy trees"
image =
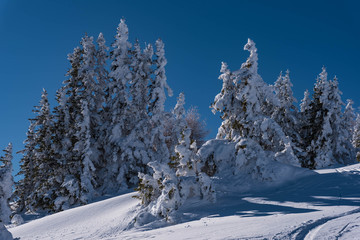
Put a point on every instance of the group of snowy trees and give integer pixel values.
(108, 125)
(262, 132)
(110, 131)
(321, 134)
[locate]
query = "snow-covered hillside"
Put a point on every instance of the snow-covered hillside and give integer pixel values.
(322, 205)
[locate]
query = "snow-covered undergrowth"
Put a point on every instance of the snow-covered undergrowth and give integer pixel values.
(322, 204)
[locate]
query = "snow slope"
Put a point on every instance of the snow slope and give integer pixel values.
(324, 205)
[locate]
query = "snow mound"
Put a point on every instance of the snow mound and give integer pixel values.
(321, 205)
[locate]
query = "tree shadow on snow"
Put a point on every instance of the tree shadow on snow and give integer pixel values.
(300, 196)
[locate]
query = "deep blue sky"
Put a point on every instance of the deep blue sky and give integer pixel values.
(301, 36)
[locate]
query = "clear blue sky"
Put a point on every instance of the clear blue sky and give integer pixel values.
(301, 36)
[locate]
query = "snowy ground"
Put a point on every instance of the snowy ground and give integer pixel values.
(325, 205)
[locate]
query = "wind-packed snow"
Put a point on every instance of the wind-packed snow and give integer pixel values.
(321, 204)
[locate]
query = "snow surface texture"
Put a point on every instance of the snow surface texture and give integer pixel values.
(322, 204)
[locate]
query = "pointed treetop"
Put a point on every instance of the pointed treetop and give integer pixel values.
(179, 110)
(161, 62)
(8, 155)
(305, 102)
(101, 41)
(224, 67)
(250, 46)
(122, 29)
(323, 75)
(252, 62)
(44, 93)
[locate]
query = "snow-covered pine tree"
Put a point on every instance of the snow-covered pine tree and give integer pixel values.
(341, 124)
(159, 192)
(325, 139)
(45, 162)
(174, 123)
(118, 104)
(102, 76)
(245, 103)
(137, 145)
(25, 186)
(315, 117)
(286, 114)
(304, 120)
(158, 86)
(227, 104)
(356, 137)
(67, 114)
(305, 102)
(101, 71)
(6, 184)
(89, 121)
(247, 116)
(6, 187)
(85, 146)
(345, 150)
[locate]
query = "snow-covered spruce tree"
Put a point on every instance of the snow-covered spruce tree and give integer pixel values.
(159, 155)
(324, 136)
(101, 62)
(89, 121)
(356, 137)
(314, 115)
(25, 186)
(156, 111)
(118, 124)
(6, 185)
(137, 145)
(45, 162)
(245, 113)
(67, 115)
(171, 184)
(345, 150)
(304, 131)
(174, 123)
(226, 103)
(35, 191)
(102, 76)
(286, 114)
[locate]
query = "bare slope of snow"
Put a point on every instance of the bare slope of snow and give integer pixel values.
(93, 221)
(325, 205)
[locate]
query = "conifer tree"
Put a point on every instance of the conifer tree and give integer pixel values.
(324, 137)
(315, 117)
(67, 115)
(286, 114)
(36, 190)
(25, 186)
(356, 137)
(226, 103)
(305, 102)
(244, 103)
(6, 184)
(89, 121)
(156, 107)
(102, 76)
(345, 150)
(44, 158)
(118, 103)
